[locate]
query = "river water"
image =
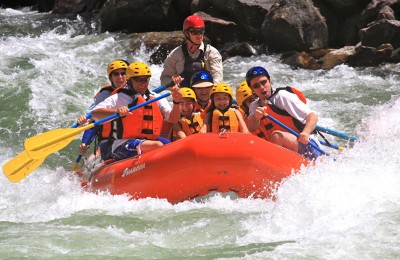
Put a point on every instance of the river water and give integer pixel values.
(343, 209)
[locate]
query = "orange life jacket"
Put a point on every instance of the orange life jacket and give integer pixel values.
(199, 109)
(103, 131)
(192, 125)
(224, 120)
(267, 126)
(189, 125)
(108, 87)
(145, 122)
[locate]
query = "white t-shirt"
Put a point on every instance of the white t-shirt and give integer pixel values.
(286, 101)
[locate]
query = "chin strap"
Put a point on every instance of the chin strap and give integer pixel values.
(193, 43)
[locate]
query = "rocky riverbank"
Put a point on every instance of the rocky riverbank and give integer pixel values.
(317, 34)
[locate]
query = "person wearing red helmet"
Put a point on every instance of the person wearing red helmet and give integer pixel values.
(193, 55)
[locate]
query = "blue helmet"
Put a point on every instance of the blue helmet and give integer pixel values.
(254, 72)
(201, 79)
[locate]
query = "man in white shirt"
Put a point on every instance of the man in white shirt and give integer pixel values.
(139, 130)
(284, 106)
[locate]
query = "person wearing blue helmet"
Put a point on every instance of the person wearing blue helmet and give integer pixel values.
(287, 105)
(202, 83)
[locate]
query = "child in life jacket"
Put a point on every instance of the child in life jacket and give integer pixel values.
(190, 121)
(202, 83)
(221, 116)
(244, 97)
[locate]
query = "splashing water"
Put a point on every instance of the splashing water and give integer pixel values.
(343, 208)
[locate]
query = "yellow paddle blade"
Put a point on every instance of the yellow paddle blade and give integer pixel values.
(52, 141)
(20, 166)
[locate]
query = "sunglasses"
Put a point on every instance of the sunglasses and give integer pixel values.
(196, 31)
(257, 85)
(141, 79)
(117, 74)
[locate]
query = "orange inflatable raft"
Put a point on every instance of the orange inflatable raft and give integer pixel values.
(198, 165)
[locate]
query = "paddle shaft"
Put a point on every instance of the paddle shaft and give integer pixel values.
(22, 165)
(113, 116)
(54, 140)
(296, 134)
(336, 133)
(157, 90)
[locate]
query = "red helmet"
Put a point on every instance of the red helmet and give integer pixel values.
(193, 21)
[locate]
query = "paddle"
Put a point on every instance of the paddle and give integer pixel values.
(20, 166)
(78, 159)
(339, 148)
(296, 134)
(336, 133)
(52, 141)
(89, 115)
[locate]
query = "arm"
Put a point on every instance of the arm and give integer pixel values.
(311, 123)
(254, 118)
(111, 105)
(105, 112)
(297, 109)
(176, 97)
(242, 124)
(179, 132)
(204, 127)
(215, 65)
(82, 120)
(172, 65)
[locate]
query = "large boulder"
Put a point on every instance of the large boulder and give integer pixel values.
(219, 30)
(374, 11)
(337, 57)
(383, 31)
(294, 25)
(247, 14)
(138, 16)
(346, 6)
(83, 7)
(366, 56)
(45, 5)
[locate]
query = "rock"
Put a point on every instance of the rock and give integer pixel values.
(244, 27)
(383, 31)
(218, 30)
(243, 49)
(370, 56)
(395, 57)
(294, 25)
(336, 57)
(247, 14)
(300, 60)
(139, 16)
(45, 5)
(348, 6)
